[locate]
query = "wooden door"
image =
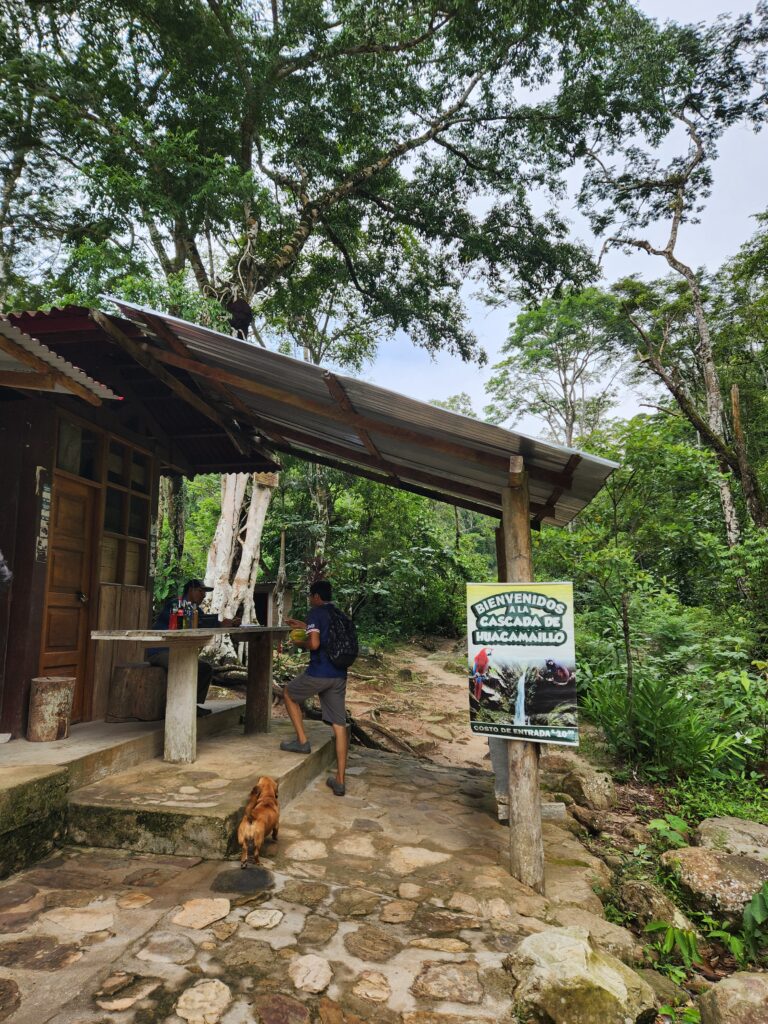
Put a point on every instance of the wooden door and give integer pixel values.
(65, 642)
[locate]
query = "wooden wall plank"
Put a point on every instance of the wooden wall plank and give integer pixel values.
(120, 607)
(109, 596)
(31, 429)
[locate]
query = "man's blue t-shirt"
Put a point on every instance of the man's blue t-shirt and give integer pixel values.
(319, 620)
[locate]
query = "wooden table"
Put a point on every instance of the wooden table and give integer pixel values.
(184, 646)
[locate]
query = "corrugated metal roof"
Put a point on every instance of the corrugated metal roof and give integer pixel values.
(303, 409)
(11, 362)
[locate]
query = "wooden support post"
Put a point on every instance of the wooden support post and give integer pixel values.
(526, 847)
(258, 694)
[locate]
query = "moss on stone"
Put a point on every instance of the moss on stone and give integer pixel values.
(31, 842)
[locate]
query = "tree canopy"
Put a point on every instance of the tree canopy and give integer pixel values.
(275, 152)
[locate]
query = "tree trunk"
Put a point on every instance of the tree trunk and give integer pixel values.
(221, 553)
(318, 488)
(233, 589)
(280, 584)
(172, 509)
(749, 482)
(241, 590)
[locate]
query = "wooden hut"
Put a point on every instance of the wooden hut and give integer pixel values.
(88, 423)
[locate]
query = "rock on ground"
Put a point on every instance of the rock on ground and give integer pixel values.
(646, 902)
(264, 917)
(10, 998)
(444, 980)
(310, 973)
(740, 999)
(722, 882)
(204, 1002)
(373, 986)
(567, 773)
(564, 979)
(734, 835)
(201, 912)
(612, 938)
(405, 859)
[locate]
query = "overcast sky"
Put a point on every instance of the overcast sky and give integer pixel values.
(740, 191)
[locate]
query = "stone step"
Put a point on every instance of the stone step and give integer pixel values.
(194, 809)
(96, 749)
(33, 811)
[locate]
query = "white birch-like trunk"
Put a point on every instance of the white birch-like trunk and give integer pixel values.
(241, 589)
(715, 411)
(221, 554)
(280, 584)
(235, 555)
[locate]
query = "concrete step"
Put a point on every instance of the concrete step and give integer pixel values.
(194, 809)
(33, 811)
(94, 750)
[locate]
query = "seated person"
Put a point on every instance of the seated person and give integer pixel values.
(194, 592)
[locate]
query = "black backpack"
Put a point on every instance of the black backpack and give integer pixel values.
(341, 647)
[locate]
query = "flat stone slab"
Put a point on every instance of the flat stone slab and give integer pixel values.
(194, 809)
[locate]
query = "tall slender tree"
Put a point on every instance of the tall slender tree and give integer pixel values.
(718, 78)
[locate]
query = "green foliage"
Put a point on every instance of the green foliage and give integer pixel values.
(561, 360)
(755, 923)
(399, 563)
(672, 829)
(661, 728)
(739, 796)
(674, 945)
(680, 1014)
(341, 152)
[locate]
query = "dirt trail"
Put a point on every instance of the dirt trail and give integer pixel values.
(421, 696)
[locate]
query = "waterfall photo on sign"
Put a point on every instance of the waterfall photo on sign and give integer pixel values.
(522, 661)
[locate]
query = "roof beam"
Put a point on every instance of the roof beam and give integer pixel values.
(330, 412)
(402, 485)
(341, 398)
(19, 353)
(32, 381)
(150, 364)
(309, 442)
(550, 505)
(161, 329)
(484, 502)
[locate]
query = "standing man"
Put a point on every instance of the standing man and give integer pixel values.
(194, 592)
(321, 679)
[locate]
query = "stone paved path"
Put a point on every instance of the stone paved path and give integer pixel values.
(389, 905)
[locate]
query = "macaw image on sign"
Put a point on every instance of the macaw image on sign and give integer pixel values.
(522, 661)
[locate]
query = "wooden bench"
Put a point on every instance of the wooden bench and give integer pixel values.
(137, 693)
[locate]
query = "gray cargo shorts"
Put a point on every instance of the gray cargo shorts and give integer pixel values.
(330, 690)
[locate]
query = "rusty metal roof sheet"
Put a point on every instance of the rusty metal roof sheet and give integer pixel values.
(307, 411)
(11, 360)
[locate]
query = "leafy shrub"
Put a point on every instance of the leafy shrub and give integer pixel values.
(755, 923)
(671, 829)
(674, 944)
(662, 729)
(741, 796)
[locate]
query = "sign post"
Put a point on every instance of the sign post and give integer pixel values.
(526, 846)
(522, 681)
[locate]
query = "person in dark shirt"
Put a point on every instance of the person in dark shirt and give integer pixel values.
(321, 679)
(194, 592)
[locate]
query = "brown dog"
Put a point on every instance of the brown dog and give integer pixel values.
(261, 816)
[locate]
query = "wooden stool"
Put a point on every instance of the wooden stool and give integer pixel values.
(137, 693)
(50, 707)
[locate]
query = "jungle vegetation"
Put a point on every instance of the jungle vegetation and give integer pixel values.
(354, 169)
